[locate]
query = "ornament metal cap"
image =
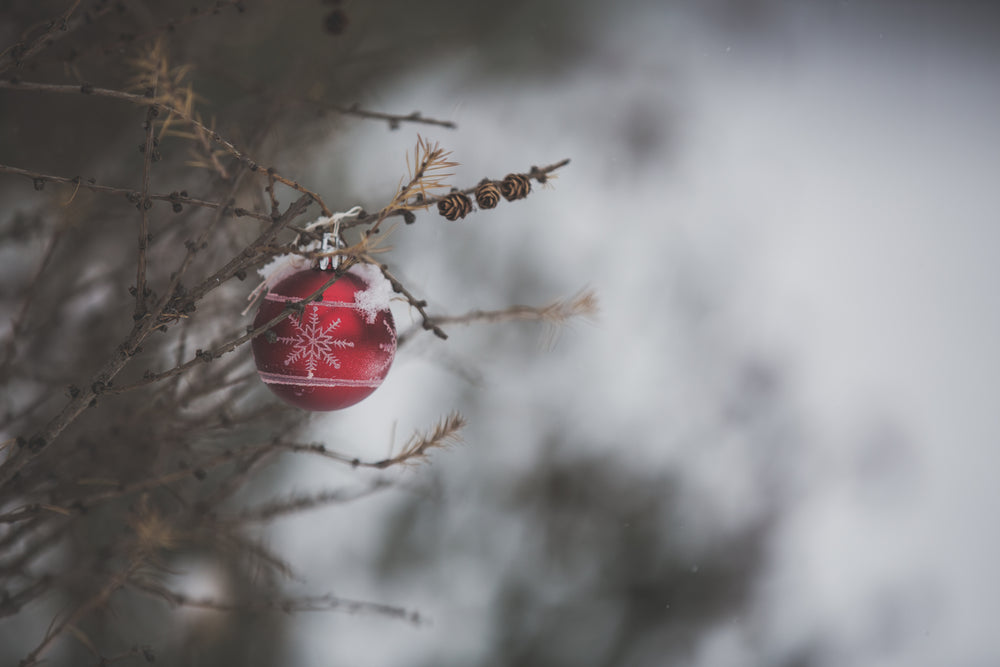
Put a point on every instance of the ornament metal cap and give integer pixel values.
(331, 241)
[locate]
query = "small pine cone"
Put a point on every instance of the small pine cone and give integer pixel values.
(515, 186)
(455, 206)
(487, 195)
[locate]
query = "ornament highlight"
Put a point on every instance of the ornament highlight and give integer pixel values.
(332, 352)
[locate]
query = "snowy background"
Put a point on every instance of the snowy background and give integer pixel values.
(789, 214)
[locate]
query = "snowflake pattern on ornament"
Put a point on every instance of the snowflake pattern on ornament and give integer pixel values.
(389, 348)
(313, 343)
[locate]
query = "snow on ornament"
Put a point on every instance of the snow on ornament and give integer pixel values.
(332, 352)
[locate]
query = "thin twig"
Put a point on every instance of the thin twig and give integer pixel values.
(55, 28)
(142, 100)
(12, 603)
(242, 260)
(191, 248)
(101, 381)
(37, 540)
(144, 204)
(114, 489)
(419, 304)
(445, 433)
(20, 318)
(394, 120)
(133, 196)
(232, 539)
(272, 195)
(581, 304)
(288, 605)
(84, 608)
(128, 39)
(538, 173)
(430, 165)
(298, 503)
(202, 356)
(244, 468)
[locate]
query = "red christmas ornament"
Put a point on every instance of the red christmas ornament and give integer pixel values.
(337, 350)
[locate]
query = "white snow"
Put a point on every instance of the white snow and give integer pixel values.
(283, 266)
(377, 296)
